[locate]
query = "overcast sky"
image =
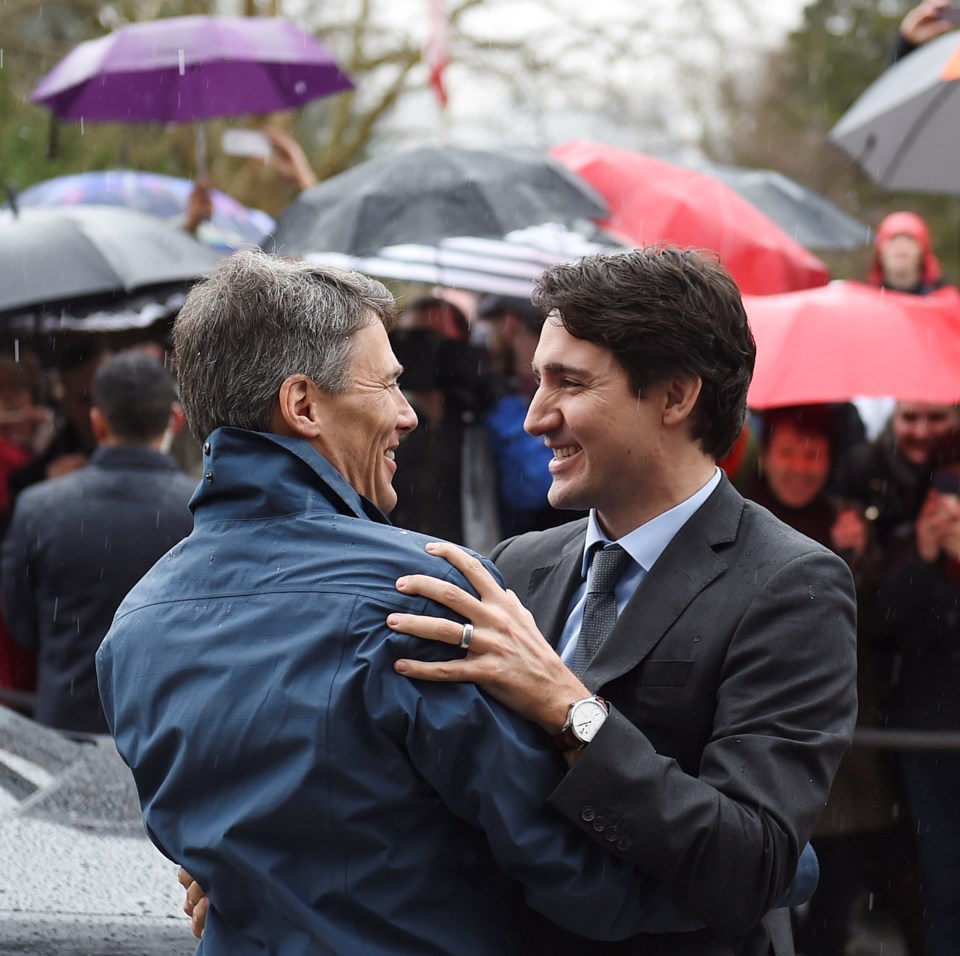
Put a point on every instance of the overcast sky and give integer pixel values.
(654, 115)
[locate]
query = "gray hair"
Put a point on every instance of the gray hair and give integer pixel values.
(259, 319)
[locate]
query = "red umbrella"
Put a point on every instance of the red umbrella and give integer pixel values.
(655, 201)
(848, 339)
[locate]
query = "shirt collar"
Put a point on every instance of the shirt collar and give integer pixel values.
(646, 543)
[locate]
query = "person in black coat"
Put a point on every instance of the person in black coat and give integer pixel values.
(78, 543)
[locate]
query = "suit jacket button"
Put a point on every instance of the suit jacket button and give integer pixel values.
(624, 844)
(612, 834)
(587, 814)
(599, 824)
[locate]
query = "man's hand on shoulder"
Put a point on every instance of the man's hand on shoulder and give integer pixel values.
(508, 657)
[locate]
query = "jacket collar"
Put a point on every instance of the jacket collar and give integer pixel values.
(258, 474)
(132, 457)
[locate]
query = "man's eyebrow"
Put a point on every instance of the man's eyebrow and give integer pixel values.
(560, 368)
(396, 373)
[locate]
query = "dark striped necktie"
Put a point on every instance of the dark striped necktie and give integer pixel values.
(600, 610)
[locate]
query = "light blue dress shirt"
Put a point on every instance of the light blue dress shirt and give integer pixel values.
(644, 544)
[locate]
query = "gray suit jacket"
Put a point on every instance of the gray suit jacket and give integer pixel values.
(732, 678)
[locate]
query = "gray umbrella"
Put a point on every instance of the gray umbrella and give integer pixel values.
(428, 194)
(813, 220)
(52, 258)
(903, 127)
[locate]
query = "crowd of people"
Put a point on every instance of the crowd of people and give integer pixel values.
(92, 499)
(476, 434)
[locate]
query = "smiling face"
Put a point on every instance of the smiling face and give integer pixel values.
(796, 463)
(363, 425)
(917, 426)
(606, 441)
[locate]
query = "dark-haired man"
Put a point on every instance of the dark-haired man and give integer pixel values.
(78, 543)
(703, 727)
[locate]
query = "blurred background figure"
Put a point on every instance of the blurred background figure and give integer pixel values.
(522, 461)
(920, 597)
(25, 429)
(795, 458)
(289, 159)
(890, 478)
(77, 543)
(903, 256)
(445, 479)
(904, 261)
(857, 836)
(73, 439)
(920, 24)
(26, 423)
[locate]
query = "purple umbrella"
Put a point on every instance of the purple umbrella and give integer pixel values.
(181, 69)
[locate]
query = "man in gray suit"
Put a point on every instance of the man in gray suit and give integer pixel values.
(703, 735)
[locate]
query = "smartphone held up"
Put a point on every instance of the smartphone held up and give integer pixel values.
(246, 142)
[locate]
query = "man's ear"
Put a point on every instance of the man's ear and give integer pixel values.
(178, 419)
(298, 411)
(99, 425)
(680, 398)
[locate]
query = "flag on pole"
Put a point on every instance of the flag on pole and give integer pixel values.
(438, 55)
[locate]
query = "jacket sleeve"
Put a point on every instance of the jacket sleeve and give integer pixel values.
(18, 578)
(725, 843)
(499, 783)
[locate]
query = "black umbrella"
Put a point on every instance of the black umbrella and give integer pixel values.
(89, 256)
(801, 212)
(428, 194)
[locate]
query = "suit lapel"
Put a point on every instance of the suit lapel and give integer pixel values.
(685, 568)
(551, 587)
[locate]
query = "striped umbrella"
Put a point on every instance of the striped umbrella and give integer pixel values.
(506, 266)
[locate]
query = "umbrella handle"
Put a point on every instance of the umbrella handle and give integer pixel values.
(201, 148)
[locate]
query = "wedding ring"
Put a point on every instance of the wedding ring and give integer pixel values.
(467, 636)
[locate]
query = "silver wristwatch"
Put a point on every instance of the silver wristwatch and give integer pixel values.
(584, 718)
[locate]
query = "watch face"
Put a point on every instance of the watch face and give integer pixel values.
(587, 718)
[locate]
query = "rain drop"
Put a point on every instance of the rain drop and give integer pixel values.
(299, 87)
(183, 68)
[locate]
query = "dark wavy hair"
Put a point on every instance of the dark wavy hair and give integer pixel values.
(815, 420)
(662, 312)
(135, 393)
